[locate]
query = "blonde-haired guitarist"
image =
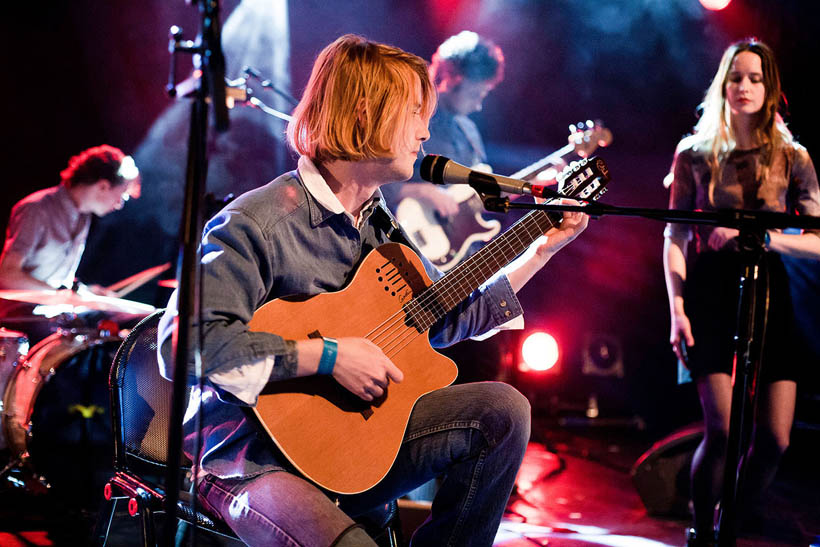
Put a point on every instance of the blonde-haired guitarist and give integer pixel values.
(354, 347)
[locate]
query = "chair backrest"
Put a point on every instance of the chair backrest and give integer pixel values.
(140, 402)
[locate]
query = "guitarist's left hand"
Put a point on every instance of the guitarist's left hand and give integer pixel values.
(557, 238)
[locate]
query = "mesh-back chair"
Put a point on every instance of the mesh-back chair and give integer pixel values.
(141, 409)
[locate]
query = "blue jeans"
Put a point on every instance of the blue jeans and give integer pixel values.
(474, 435)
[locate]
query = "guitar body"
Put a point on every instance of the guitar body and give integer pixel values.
(446, 242)
(334, 438)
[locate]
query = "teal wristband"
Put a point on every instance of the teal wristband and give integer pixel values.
(328, 359)
(767, 239)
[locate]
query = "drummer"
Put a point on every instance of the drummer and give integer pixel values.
(47, 230)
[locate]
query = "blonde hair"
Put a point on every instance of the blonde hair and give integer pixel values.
(714, 136)
(359, 97)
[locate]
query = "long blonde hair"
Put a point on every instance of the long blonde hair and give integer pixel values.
(714, 136)
(359, 97)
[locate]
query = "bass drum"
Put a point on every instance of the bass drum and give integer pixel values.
(13, 347)
(57, 414)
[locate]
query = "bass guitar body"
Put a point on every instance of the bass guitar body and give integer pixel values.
(340, 442)
(447, 241)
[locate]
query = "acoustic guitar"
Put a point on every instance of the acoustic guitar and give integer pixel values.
(345, 444)
(448, 241)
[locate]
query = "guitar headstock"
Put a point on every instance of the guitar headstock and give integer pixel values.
(588, 136)
(585, 179)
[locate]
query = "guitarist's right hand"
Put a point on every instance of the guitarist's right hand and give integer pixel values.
(363, 369)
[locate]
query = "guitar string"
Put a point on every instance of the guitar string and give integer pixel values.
(403, 337)
(451, 284)
(422, 303)
(420, 307)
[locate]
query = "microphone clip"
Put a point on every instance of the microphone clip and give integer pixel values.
(495, 203)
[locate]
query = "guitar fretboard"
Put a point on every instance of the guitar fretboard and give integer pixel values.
(442, 296)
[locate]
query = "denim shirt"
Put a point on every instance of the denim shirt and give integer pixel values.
(276, 241)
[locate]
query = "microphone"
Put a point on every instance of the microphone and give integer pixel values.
(440, 170)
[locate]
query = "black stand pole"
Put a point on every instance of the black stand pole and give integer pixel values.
(752, 226)
(744, 390)
(208, 55)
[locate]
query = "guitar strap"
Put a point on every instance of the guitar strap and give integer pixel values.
(470, 133)
(384, 221)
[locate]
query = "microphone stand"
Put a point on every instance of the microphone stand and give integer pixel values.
(208, 58)
(752, 226)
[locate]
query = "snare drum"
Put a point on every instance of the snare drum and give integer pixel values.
(57, 410)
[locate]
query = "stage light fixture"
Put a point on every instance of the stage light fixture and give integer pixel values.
(539, 352)
(715, 5)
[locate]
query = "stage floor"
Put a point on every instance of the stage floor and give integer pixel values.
(574, 490)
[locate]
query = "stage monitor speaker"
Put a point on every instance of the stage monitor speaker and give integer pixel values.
(602, 356)
(661, 474)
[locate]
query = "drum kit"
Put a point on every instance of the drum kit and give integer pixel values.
(55, 419)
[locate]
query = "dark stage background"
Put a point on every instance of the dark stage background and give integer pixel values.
(84, 72)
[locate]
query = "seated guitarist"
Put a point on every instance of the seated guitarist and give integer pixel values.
(360, 124)
(464, 69)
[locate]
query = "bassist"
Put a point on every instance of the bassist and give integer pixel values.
(465, 69)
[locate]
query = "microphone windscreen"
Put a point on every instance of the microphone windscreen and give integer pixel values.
(432, 168)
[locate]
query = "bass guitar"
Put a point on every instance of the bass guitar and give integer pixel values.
(448, 241)
(335, 439)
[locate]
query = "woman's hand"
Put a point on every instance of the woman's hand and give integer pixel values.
(681, 333)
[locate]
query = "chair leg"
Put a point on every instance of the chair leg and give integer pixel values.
(106, 516)
(149, 538)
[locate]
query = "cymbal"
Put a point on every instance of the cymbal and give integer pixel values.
(168, 283)
(89, 301)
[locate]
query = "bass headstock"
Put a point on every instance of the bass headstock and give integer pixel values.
(587, 136)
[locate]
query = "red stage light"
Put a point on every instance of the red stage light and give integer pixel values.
(714, 5)
(539, 351)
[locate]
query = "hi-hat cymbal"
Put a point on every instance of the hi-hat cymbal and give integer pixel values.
(88, 301)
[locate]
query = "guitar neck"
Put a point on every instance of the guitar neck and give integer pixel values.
(443, 295)
(534, 168)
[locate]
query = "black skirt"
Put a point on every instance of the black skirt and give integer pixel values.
(711, 303)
